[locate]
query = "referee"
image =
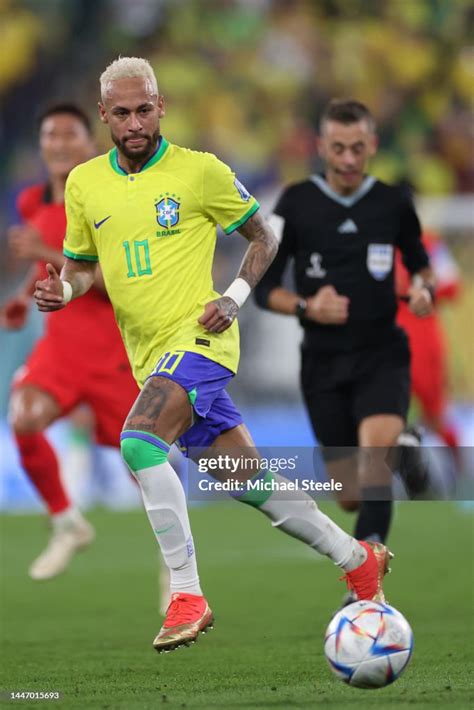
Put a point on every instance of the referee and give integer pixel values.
(341, 229)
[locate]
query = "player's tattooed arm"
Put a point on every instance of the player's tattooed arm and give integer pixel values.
(262, 249)
(49, 293)
(220, 314)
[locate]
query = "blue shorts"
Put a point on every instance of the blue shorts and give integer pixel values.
(204, 381)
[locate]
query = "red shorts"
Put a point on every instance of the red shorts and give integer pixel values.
(71, 376)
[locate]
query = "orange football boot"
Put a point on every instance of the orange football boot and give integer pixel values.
(367, 579)
(187, 616)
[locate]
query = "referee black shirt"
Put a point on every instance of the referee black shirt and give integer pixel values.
(349, 243)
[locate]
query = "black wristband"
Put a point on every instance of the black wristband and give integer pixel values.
(300, 310)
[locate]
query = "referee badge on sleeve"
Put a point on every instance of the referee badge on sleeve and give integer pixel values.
(380, 260)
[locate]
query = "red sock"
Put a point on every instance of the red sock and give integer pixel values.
(41, 465)
(449, 437)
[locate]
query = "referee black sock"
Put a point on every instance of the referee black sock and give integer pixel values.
(375, 513)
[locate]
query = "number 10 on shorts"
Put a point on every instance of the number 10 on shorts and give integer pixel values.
(169, 362)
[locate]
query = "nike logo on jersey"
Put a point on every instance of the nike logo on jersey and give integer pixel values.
(347, 227)
(99, 224)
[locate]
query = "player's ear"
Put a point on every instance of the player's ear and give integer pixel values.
(320, 147)
(102, 113)
(161, 106)
(373, 144)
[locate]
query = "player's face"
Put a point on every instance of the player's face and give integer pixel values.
(133, 112)
(346, 149)
(64, 143)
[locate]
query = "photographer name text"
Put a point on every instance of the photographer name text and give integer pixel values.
(303, 484)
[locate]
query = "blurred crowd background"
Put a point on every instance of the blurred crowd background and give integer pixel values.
(247, 79)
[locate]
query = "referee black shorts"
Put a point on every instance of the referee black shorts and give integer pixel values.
(341, 389)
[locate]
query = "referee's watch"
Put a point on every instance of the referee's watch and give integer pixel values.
(301, 308)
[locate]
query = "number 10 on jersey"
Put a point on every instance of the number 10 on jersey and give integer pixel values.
(138, 260)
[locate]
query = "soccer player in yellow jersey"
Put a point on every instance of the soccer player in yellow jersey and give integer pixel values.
(148, 211)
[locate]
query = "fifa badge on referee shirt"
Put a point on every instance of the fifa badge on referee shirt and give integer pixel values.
(380, 260)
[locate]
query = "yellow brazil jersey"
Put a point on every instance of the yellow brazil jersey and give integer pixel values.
(154, 233)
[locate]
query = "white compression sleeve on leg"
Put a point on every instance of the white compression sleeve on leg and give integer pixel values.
(297, 514)
(165, 504)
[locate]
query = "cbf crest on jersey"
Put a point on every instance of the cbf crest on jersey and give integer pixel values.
(380, 260)
(167, 211)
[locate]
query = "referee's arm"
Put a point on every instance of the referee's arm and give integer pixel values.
(326, 307)
(415, 257)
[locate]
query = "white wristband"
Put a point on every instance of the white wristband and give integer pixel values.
(238, 291)
(67, 291)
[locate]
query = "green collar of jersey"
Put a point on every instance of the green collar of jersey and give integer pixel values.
(157, 155)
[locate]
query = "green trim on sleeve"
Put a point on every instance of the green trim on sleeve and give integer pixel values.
(80, 257)
(235, 225)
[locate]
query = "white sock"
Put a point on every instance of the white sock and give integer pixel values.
(297, 514)
(165, 504)
(71, 517)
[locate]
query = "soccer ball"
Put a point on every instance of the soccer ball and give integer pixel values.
(368, 644)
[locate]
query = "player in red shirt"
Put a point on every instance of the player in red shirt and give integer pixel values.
(429, 371)
(79, 359)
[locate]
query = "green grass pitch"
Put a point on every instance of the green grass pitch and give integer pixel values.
(88, 633)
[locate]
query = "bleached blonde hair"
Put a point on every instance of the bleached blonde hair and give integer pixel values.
(128, 68)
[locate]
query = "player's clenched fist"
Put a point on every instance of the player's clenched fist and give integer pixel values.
(219, 314)
(328, 307)
(49, 294)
